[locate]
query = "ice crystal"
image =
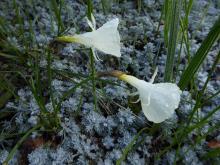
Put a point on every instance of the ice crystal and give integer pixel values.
(108, 142)
(39, 156)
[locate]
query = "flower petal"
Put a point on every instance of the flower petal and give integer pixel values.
(105, 39)
(92, 23)
(111, 38)
(159, 101)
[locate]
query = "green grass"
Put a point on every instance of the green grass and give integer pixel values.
(172, 15)
(19, 62)
(49, 120)
(200, 55)
(106, 6)
(12, 58)
(92, 59)
(188, 76)
(56, 7)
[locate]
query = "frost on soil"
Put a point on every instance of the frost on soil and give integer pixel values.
(91, 137)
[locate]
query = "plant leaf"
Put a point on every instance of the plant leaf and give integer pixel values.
(200, 55)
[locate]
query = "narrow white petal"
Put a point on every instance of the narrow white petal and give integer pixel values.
(95, 55)
(154, 75)
(90, 24)
(93, 21)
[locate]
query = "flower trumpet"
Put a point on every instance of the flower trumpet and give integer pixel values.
(158, 101)
(105, 39)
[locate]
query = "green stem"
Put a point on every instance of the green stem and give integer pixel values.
(93, 75)
(11, 154)
(92, 64)
(89, 9)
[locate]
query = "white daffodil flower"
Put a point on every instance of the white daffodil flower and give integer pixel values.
(105, 39)
(158, 101)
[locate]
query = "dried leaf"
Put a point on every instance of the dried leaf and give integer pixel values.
(214, 144)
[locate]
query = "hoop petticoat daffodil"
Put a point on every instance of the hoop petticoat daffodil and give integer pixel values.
(158, 101)
(106, 38)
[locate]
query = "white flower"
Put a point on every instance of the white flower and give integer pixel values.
(158, 101)
(105, 39)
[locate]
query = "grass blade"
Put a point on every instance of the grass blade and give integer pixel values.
(89, 9)
(57, 8)
(173, 24)
(166, 10)
(18, 144)
(212, 154)
(200, 55)
(106, 6)
(130, 146)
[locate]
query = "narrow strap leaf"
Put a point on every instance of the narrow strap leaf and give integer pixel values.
(200, 55)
